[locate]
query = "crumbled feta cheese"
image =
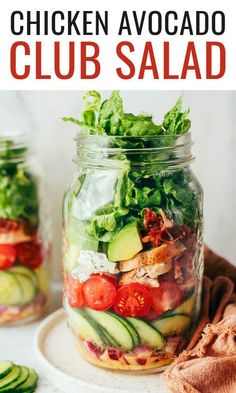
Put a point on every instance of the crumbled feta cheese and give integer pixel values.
(90, 262)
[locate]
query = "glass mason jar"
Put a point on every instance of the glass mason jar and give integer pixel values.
(24, 249)
(133, 242)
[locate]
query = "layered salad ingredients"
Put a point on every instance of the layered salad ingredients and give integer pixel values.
(132, 238)
(23, 280)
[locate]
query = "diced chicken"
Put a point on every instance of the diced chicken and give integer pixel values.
(161, 254)
(146, 274)
(16, 236)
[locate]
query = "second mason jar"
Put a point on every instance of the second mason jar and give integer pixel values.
(133, 250)
(24, 239)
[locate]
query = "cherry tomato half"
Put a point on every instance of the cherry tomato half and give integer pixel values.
(99, 292)
(29, 254)
(75, 291)
(133, 300)
(166, 297)
(7, 256)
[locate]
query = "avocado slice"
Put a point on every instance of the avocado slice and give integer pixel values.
(126, 243)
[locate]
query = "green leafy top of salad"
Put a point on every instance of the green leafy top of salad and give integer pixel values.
(108, 118)
(135, 190)
(18, 188)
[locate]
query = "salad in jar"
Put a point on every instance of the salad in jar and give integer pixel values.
(23, 279)
(132, 235)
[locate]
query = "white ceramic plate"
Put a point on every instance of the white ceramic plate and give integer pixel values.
(65, 369)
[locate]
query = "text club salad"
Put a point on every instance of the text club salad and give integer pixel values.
(132, 237)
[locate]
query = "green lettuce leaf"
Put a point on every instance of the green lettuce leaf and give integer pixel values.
(18, 196)
(175, 121)
(109, 118)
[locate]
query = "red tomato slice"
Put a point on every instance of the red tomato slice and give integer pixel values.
(133, 300)
(29, 254)
(166, 297)
(99, 293)
(75, 291)
(7, 256)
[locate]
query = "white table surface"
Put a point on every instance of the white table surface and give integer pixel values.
(17, 345)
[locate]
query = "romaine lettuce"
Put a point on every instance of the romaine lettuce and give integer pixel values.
(137, 189)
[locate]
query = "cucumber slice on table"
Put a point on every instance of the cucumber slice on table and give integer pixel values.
(149, 335)
(173, 325)
(114, 325)
(10, 289)
(24, 373)
(30, 384)
(27, 272)
(87, 328)
(12, 376)
(27, 287)
(5, 368)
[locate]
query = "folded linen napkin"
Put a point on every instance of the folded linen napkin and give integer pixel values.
(208, 365)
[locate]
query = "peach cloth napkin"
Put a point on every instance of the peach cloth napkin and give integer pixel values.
(208, 365)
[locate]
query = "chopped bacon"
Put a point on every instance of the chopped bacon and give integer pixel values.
(146, 239)
(157, 228)
(166, 221)
(183, 272)
(149, 217)
(8, 225)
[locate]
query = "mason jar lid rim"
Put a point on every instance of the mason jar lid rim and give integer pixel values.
(84, 137)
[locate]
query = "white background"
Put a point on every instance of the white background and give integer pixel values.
(213, 131)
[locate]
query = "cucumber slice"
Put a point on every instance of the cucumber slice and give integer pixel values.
(5, 368)
(131, 329)
(173, 325)
(24, 373)
(26, 271)
(149, 334)
(11, 377)
(30, 384)
(10, 289)
(186, 307)
(113, 325)
(87, 328)
(27, 287)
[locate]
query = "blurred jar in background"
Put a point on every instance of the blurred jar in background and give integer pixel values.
(24, 229)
